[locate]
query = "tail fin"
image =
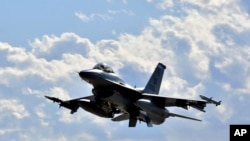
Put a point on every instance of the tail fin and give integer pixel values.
(154, 83)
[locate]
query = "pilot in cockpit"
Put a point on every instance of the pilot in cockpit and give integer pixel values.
(103, 67)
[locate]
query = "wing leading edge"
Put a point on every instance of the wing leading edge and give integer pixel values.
(178, 102)
(72, 104)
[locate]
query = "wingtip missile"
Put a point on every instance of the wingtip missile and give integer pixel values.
(66, 104)
(218, 103)
(210, 100)
(53, 99)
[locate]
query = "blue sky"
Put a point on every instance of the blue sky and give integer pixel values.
(204, 43)
(29, 19)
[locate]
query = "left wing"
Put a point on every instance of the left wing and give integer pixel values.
(88, 103)
(168, 101)
(72, 105)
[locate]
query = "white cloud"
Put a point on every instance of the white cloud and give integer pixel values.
(6, 131)
(58, 92)
(86, 18)
(200, 62)
(164, 4)
(225, 112)
(44, 59)
(179, 88)
(82, 16)
(12, 107)
(122, 11)
(41, 115)
(66, 43)
(245, 89)
(106, 16)
(86, 136)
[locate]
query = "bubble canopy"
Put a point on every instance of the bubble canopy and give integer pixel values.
(103, 67)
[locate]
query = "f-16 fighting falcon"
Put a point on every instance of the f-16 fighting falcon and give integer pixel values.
(114, 98)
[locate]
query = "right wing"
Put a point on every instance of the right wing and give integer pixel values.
(178, 102)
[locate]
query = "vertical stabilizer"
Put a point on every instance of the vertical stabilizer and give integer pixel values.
(154, 83)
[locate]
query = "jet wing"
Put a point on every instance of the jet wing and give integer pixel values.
(178, 102)
(72, 104)
(131, 93)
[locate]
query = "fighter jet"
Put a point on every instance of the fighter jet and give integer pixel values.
(115, 99)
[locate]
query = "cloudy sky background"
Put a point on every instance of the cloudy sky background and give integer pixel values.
(205, 45)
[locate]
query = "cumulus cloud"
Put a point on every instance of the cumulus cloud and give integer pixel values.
(12, 107)
(164, 4)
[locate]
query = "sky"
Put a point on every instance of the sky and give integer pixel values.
(205, 45)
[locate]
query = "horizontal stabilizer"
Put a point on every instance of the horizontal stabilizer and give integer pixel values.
(181, 116)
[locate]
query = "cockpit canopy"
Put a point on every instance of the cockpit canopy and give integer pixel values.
(103, 67)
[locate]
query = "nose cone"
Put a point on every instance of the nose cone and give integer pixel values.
(88, 75)
(84, 74)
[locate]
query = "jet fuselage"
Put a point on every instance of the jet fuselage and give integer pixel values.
(105, 88)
